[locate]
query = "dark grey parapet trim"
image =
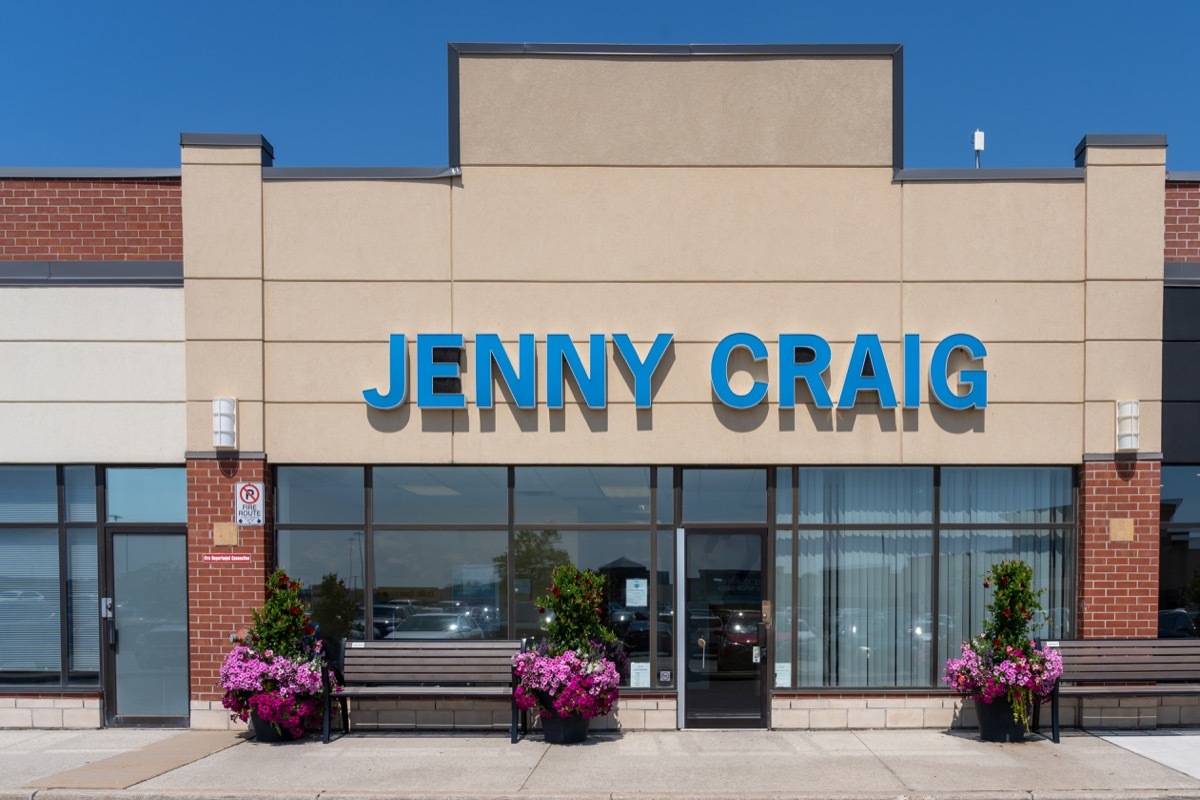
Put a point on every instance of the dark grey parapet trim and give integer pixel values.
(1183, 177)
(540, 48)
(1122, 457)
(87, 173)
(1181, 273)
(227, 140)
(91, 273)
(231, 140)
(933, 175)
(359, 173)
(224, 455)
(1117, 140)
(895, 51)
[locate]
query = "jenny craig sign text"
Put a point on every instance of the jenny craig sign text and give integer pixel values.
(803, 357)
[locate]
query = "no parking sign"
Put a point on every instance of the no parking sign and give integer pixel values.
(250, 507)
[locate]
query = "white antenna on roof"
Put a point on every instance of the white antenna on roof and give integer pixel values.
(978, 146)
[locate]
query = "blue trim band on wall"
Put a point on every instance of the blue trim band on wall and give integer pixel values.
(91, 273)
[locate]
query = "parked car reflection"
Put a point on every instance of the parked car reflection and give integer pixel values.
(738, 639)
(387, 618)
(1176, 623)
(637, 638)
(437, 626)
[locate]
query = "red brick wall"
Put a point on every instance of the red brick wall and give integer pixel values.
(1118, 580)
(1183, 222)
(221, 595)
(123, 219)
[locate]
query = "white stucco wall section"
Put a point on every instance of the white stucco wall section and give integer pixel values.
(91, 375)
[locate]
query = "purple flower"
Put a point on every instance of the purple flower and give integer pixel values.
(572, 684)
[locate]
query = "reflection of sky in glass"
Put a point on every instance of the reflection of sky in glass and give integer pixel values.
(440, 565)
(564, 495)
(724, 495)
(308, 555)
(442, 495)
(28, 494)
(321, 495)
(155, 494)
(1181, 494)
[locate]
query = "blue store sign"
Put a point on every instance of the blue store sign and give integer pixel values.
(803, 357)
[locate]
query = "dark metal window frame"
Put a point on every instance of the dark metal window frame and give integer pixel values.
(62, 529)
(368, 527)
(935, 527)
(674, 495)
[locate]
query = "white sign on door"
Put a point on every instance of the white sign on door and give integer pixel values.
(249, 504)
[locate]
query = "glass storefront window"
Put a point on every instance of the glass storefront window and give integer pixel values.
(49, 577)
(664, 589)
(320, 495)
(783, 605)
(966, 556)
(783, 497)
(1181, 494)
(1007, 495)
(82, 602)
(575, 495)
(854, 570)
(864, 596)
(724, 495)
(440, 495)
(622, 557)
(438, 574)
(1179, 553)
(80, 493)
(28, 494)
(665, 496)
(147, 494)
(29, 605)
(866, 496)
(331, 566)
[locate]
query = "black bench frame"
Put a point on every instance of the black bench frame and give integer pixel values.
(1123, 668)
(433, 668)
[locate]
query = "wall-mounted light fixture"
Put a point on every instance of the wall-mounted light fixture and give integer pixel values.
(224, 423)
(1128, 426)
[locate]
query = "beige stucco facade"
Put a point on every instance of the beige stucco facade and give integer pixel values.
(695, 195)
(91, 374)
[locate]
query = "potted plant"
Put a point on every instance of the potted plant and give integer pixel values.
(1004, 669)
(571, 675)
(273, 677)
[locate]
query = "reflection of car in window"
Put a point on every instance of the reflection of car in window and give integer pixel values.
(738, 638)
(437, 626)
(1175, 623)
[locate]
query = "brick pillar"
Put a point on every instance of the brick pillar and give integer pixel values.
(222, 593)
(1118, 550)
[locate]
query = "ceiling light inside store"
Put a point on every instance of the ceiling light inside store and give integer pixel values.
(625, 491)
(430, 490)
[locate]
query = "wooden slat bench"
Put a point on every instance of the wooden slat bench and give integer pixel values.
(1124, 668)
(430, 668)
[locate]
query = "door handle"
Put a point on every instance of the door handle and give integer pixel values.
(110, 626)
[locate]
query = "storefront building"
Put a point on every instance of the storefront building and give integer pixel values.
(680, 315)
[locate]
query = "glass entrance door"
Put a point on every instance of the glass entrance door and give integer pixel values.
(724, 637)
(145, 629)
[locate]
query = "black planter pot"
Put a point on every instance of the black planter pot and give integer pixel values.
(996, 721)
(265, 732)
(565, 730)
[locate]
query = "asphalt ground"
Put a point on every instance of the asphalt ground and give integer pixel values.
(706, 765)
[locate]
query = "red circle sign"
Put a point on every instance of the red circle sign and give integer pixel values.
(249, 494)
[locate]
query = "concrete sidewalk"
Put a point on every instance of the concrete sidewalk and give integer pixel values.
(746, 765)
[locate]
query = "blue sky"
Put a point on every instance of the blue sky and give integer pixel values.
(364, 83)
